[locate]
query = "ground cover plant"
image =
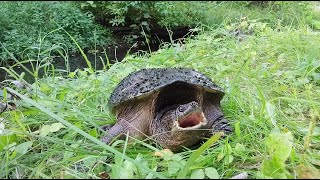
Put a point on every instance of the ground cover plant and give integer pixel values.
(142, 16)
(28, 28)
(271, 77)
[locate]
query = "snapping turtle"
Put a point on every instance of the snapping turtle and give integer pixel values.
(176, 107)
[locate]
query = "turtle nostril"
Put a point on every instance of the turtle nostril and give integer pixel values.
(194, 104)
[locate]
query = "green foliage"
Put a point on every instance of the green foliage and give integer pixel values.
(193, 13)
(279, 147)
(275, 14)
(271, 80)
(144, 15)
(46, 129)
(211, 173)
(22, 148)
(32, 27)
(147, 13)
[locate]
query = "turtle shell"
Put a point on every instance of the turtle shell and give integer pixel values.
(145, 82)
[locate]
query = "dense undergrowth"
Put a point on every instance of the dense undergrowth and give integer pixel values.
(271, 77)
(192, 13)
(32, 29)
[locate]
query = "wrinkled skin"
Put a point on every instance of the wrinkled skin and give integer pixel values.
(179, 125)
(185, 125)
(175, 127)
(175, 107)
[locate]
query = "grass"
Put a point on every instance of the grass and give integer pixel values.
(29, 27)
(271, 78)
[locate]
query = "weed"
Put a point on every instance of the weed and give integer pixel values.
(271, 79)
(22, 23)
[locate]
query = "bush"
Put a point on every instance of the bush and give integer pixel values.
(24, 23)
(147, 13)
(184, 13)
(141, 16)
(276, 14)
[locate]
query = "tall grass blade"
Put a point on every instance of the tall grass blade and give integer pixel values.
(82, 53)
(84, 134)
(182, 174)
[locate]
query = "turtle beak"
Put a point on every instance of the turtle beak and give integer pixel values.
(193, 120)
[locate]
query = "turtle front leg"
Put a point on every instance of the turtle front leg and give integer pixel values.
(117, 130)
(106, 127)
(222, 124)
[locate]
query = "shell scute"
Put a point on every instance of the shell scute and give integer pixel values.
(145, 82)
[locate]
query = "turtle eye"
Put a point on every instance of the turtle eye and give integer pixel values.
(180, 109)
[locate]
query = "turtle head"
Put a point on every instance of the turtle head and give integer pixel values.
(189, 116)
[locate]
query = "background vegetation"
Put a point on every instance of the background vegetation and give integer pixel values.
(268, 64)
(32, 28)
(28, 28)
(193, 13)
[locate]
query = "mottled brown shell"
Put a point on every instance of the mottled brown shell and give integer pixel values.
(146, 82)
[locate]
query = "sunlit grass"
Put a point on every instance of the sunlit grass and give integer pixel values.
(271, 79)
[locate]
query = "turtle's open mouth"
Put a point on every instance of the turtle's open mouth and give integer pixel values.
(193, 120)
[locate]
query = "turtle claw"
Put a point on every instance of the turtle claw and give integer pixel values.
(106, 139)
(222, 124)
(113, 131)
(106, 127)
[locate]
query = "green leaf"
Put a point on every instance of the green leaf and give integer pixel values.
(1, 127)
(239, 148)
(89, 161)
(4, 93)
(94, 133)
(228, 149)
(197, 153)
(176, 157)
(119, 172)
(118, 159)
(133, 25)
(197, 174)
(23, 147)
(212, 173)
(13, 155)
(82, 5)
(129, 167)
(122, 169)
(45, 88)
(220, 156)
(280, 145)
(72, 74)
(173, 167)
(221, 67)
(273, 167)
(237, 128)
(315, 24)
(228, 159)
(146, 15)
(45, 130)
(144, 23)
(6, 140)
(56, 127)
(271, 113)
(67, 155)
